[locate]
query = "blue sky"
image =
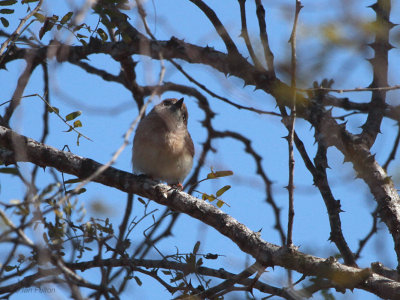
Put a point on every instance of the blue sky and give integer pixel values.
(73, 89)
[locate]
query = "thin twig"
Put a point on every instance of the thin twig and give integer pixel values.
(222, 32)
(269, 56)
(19, 90)
(18, 31)
(290, 138)
(203, 87)
(245, 35)
(392, 155)
(260, 171)
(341, 91)
(370, 234)
(246, 273)
(120, 247)
(58, 114)
(46, 111)
(142, 14)
(19, 231)
(292, 118)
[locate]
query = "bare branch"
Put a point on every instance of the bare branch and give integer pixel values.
(245, 34)
(219, 27)
(381, 46)
(269, 56)
(248, 241)
(291, 124)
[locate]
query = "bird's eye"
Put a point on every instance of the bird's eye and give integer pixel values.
(167, 103)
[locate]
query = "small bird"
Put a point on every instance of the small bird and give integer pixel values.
(162, 146)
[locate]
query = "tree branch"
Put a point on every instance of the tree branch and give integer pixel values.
(219, 27)
(265, 253)
(381, 46)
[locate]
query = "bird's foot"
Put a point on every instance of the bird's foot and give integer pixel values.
(177, 186)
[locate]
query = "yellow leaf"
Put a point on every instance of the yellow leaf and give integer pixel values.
(77, 123)
(211, 198)
(218, 174)
(223, 190)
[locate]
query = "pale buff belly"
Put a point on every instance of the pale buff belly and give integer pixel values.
(163, 158)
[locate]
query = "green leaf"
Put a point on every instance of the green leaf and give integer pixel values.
(220, 203)
(12, 171)
(196, 247)
(81, 36)
(9, 268)
(104, 20)
(6, 11)
(141, 201)
(211, 198)
(7, 2)
(73, 115)
(83, 42)
(47, 26)
(218, 174)
(54, 109)
(138, 281)
(29, 1)
(77, 123)
(102, 34)
(54, 18)
(4, 21)
(223, 190)
(40, 17)
(66, 18)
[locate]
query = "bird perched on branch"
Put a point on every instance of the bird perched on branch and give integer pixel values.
(162, 147)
